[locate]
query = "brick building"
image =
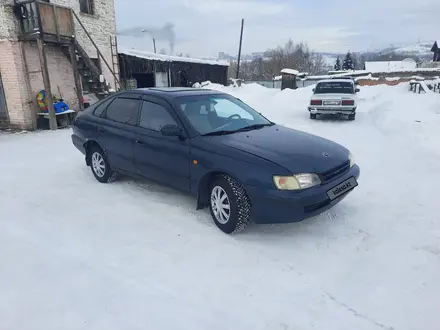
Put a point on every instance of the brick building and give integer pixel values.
(63, 28)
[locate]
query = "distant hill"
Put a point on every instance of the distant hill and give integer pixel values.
(420, 49)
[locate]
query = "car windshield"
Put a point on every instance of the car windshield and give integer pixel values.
(220, 114)
(334, 87)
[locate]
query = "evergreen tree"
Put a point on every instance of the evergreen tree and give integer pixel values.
(337, 66)
(355, 61)
(348, 63)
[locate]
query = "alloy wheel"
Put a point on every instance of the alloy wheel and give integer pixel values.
(220, 204)
(98, 164)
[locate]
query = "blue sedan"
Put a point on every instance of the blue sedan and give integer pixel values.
(212, 145)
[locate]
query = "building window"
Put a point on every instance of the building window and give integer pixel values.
(86, 6)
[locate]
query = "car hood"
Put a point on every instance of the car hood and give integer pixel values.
(296, 151)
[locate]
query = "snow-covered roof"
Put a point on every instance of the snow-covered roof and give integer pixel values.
(386, 66)
(290, 71)
(168, 58)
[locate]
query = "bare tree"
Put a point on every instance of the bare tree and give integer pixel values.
(294, 56)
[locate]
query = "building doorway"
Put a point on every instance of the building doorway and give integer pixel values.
(144, 80)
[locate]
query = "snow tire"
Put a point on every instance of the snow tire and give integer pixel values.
(240, 204)
(313, 116)
(101, 171)
(352, 117)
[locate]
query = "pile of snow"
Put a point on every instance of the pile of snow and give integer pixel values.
(398, 109)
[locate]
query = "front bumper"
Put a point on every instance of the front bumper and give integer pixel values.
(276, 206)
(332, 111)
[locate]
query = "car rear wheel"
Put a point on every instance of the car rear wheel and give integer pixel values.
(99, 165)
(229, 205)
(313, 116)
(352, 116)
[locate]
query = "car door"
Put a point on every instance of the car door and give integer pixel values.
(165, 159)
(115, 131)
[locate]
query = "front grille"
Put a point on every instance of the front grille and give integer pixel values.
(335, 172)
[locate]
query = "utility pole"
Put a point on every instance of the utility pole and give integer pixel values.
(46, 81)
(154, 63)
(239, 49)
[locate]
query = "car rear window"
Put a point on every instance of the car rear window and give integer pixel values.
(123, 111)
(334, 87)
(102, 106)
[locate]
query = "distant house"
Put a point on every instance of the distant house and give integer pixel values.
(436, 50)
(390, 66)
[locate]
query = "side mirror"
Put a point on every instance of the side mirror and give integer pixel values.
(171, 130)
(313, 90)
(357, 90)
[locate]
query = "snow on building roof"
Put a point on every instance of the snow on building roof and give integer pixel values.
(168, 58)
(386, 66)
(290, 71)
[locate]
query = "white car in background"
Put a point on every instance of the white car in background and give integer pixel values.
(334, 97)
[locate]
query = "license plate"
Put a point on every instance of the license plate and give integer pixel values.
(332, 102)
(342, 188)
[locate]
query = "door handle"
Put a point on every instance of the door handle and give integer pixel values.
(139, 141)
(101, 130)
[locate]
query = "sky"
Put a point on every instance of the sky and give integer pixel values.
(206, 27)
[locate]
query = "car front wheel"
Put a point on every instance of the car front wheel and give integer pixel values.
(229, 204)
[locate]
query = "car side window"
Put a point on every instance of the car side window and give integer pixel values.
(155, 116)
(123, 111)
(101, 107)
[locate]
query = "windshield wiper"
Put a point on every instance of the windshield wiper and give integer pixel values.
(253, 127)
(243, 129)
(222, 132)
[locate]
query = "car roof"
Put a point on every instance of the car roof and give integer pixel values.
(173, 92)
(335, 80)
(343, 77)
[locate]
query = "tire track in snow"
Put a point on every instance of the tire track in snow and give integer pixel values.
(358, 314)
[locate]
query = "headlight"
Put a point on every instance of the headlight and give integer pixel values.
(297, 182)
(351, 159)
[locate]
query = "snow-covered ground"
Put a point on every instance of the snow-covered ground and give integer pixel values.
(76, 254)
